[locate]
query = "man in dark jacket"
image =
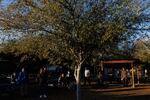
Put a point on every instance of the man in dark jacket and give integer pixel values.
(42, 78)
(22, 81)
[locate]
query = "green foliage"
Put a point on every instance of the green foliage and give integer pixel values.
(35, 47)
(142, 50)
(72, 29)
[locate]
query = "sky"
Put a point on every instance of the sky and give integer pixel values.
(4, 3)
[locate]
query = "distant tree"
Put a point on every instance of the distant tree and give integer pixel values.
(142, 50)
(77, 28)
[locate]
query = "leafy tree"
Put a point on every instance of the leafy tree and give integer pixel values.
(34, 46)
(78, 28)
(142, 50)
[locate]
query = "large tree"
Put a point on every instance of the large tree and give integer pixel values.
(142, 50)
(78, 28)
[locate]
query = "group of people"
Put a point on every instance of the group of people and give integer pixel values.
(126, 75)
(67, 80)
(123, 74)
(20, 80)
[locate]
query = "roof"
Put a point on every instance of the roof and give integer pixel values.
(118, 61)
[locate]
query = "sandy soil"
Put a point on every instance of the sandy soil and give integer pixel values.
(122, 93)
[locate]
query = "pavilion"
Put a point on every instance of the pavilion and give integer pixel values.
(131, 62)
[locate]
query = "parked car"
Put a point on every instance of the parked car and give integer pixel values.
(53, 75)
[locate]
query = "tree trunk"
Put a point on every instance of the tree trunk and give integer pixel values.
(77, 76)
(78, 82)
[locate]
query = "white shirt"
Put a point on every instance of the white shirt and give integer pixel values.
(87, 73)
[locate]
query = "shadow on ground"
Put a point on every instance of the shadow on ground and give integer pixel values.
(88, 93)
(33, 94)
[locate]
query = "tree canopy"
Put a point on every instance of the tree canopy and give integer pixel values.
(142, 50)
(77, 28)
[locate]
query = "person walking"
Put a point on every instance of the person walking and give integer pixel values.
(42, 79)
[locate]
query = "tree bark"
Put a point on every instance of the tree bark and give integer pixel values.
(77, 77)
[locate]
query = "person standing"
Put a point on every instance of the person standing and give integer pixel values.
(68, 80)
(13, 78)
(139, 74)
(99, 78)
(23, 81)
(62, 80)
(42, 79)
(124, 76)
(87, 76)
(129, 77)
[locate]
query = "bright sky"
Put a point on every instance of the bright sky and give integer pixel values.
(5, 2)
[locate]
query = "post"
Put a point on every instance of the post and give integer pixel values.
(133, 85)
(101, 65)
(102, 72)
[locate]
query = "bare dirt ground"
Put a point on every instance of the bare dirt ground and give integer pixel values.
(141, 92)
